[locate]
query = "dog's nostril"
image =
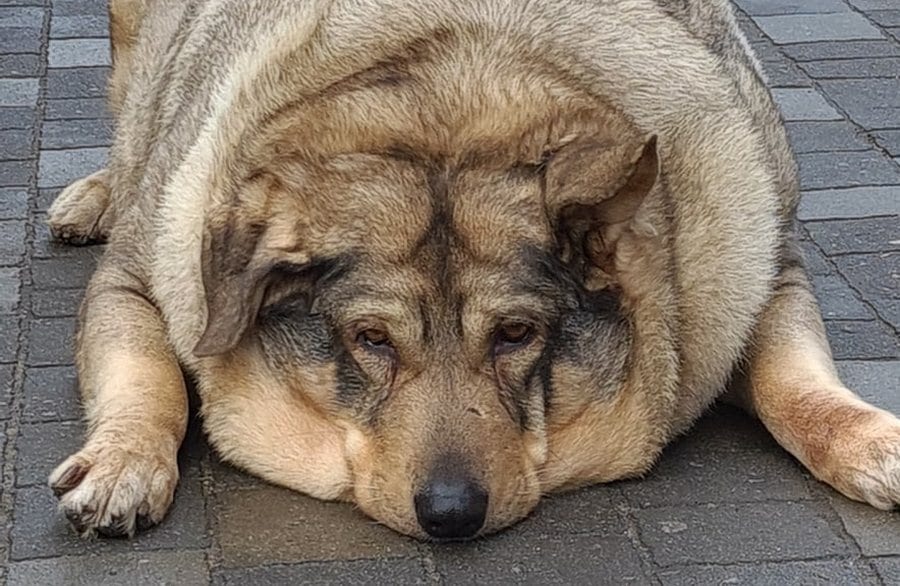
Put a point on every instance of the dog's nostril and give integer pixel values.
(451, 508)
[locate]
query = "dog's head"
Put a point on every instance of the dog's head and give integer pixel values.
(431, 288)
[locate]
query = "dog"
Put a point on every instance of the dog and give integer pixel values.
(441, 257)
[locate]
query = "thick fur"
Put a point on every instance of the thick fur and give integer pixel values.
(289, 177)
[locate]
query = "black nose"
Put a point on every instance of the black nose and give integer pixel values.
(451, 508)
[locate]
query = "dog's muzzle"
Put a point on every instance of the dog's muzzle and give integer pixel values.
(451, 506)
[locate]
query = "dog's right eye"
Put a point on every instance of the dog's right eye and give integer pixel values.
(374, 339)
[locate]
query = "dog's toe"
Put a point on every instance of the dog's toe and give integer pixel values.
(106, 491)
(867, 467)
(77, 215)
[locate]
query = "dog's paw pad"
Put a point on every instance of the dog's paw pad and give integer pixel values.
(113, 492)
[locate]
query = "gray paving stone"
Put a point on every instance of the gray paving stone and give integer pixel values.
(732, 533)
(516, 557)
(269, 525)
(853, 202)
(41, 531)
(14, 173)
(853, 68)
(16, 144)
(42, 446)
(886, 18)
(814, 261)
(12, 241)
(76, 7)
(79, 53)
(59, 168)
(888, 569)
(361, 572)
(877, 278)
(81, 82)
(861, 340)
(76, 108)
(873, 4)
(873, 530)
(875, 382)
(17, 118)
(6, 383)
(20, 40)
(51, 341)
(78, 26)
(18, 91)
(51, 394)
(803, 104)
(851, 169)
(186, 568)
(894, 32)
(692, 474)
(10, 281)
(769, 7)
(21, 65)
(21, 17)
(841, 50)
(837, 300)
(814, 136)
(69, 134)
(589, 510)
(812, 573)
(71, 271)
(806, 28)
(56, 302)
(9, 333)
(784, 73)
(863, 235)
(889, 140)
(871, 103)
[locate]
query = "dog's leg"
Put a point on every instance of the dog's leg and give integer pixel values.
(795, 391)
(136, 408)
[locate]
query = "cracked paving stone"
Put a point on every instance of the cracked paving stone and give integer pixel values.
(816, 136)
(877, 278)
(837, 300)
(856, 236)
(889, 140)
(875, 531)
(888, 569)
(721, 533)
(871, 103)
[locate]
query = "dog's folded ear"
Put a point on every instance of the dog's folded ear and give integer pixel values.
(246, 248)
(595, 192)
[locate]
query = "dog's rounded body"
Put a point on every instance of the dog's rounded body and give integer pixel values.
(254, 136)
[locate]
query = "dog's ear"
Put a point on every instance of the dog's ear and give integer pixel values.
(595, 191)
(246, 247)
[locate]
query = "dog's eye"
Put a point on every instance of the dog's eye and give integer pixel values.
(375, 339)
(512, 336)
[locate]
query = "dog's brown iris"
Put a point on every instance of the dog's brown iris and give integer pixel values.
(512, 336)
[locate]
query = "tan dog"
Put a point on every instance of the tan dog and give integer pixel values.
(439, 257)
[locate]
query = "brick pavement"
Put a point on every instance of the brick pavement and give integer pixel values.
(725, 504)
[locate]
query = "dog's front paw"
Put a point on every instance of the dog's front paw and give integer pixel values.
(865, 464)
(77, 216)
(114, 490)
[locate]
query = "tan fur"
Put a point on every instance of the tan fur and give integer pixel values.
(433, 146)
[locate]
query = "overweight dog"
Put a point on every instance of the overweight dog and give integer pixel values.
(439, 258)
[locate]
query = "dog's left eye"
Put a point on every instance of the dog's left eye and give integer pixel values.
(512, 336)
(374, 338)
